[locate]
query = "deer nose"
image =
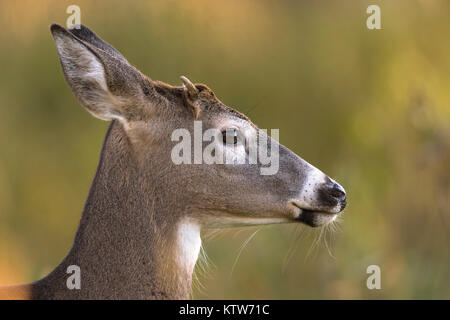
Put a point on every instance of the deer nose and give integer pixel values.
(337, 192)
(333, 194)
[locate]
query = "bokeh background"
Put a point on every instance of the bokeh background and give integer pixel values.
(369, 107)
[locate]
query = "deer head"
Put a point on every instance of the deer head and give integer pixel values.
(138, 171)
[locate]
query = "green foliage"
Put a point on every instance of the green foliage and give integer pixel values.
(371, 108)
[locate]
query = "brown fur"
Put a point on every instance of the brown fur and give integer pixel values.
(126, 243)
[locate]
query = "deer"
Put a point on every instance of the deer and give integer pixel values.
(139, 233)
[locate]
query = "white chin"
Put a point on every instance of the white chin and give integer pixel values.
(316, 219)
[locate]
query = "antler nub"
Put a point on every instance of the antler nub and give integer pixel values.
(190, 87)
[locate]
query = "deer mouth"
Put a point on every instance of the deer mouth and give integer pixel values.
(314, 218)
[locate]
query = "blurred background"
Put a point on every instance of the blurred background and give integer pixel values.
(371, 108)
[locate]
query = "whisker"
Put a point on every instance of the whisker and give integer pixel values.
(298, 234)
(213, 233)
(204, 264)
(326, 243)
(242, 249)
(315, 244)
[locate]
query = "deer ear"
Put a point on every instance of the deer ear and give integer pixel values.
(103, 81)
(84, 33)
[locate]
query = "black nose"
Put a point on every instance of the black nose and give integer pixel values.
(332, 194)
(337, 192)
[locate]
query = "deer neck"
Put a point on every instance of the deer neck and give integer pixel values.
(129, 243)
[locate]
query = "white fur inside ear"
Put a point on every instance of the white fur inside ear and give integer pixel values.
(97, 73)
(80, 62)
(86, 75)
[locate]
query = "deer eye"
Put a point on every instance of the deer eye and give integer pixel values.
(230, 136)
